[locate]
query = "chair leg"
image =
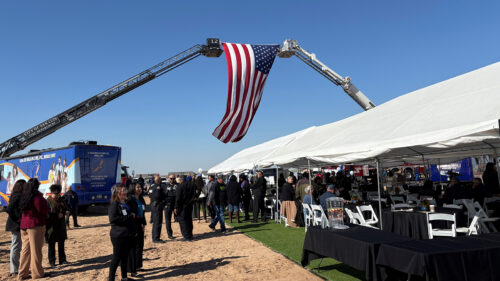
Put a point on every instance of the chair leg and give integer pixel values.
(320, 264)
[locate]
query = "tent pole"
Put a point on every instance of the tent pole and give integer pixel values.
(379, 195)
(309, 169)
(439, 172)
(277, 187)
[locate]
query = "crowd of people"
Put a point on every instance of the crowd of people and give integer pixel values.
(33, 220)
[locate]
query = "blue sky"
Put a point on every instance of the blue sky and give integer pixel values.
(55, 54)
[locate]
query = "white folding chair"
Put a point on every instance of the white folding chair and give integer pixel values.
(373, 196)
(484, 219)
(462, 201)
(372, 219)
(451, 232)
(453, 206)
(397, 199)
(280, 216)
(269, 204)
(353, 217)
(412, 198)
(400, 206)
(472, 229)
(487, 201)
(308, 215)
(319, 217)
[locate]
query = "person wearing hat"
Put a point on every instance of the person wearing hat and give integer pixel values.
(330, 192)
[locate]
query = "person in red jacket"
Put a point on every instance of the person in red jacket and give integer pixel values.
(35, 210)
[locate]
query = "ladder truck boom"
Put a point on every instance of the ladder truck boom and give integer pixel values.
(21, 141)
(291, 47)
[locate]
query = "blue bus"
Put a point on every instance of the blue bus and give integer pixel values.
(90, 169)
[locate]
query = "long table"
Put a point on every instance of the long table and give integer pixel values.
(357, 247)
(471, 258)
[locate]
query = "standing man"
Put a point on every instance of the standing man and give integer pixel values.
(71, 199)
(158, 204)
(170, 191)
(219, 202)
(184, 207)
(259, 192)
(210, 191)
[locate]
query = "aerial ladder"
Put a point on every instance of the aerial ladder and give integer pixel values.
(21, 141)
(291, 47)
(211, 49)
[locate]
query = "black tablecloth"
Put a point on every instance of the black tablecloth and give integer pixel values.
(473, 258)
(356, 247)
(414, 224)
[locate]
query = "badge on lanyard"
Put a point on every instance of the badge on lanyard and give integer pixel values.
(143, 207)
(124, 212)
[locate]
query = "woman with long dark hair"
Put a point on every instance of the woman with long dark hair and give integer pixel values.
(35, 210)
(122, 230)
(138, 205)
(56, 226)
(12, 225)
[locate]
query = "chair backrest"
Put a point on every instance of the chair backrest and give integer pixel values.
(488, 200)
(412, 197)
(353, 217)
(367, 208)
(400, 206)
(453, 206)
(319, 216)
(451, 232)
(308, 209)
(398, 199)
(462, 201)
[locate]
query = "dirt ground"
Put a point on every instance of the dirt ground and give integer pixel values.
(212, 256)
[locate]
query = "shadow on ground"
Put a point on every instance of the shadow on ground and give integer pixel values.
(161, 273)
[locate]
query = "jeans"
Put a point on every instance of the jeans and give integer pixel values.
(15, 251)
(233, 208)
(219, 217)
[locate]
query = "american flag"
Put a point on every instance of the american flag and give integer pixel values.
(248, 67)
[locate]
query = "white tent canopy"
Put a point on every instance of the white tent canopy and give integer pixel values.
(450, 120)
(246, 159)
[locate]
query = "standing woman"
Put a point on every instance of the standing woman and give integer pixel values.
(122, 231)
(138, 205)
(35, 210)
(56, 226)
(12, 225)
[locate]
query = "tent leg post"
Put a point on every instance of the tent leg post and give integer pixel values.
(309, 170)
(276, 215)
(379, 194)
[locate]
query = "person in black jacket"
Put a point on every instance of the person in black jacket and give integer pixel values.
(219, 201)
(234, 197)
(490, 178)
(184, 207)
(71, 199)
(170, 191)
(138, 206)
(259, 192)
(123, 229)
(12, 225)
(56, 226)
(287, 193)
(246, 195)
(157, 206)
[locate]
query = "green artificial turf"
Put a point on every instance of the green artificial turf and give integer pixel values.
(289, 241)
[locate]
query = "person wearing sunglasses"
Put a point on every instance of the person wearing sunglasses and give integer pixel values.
(170, 190)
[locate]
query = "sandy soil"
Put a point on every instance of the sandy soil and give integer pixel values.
(212, 256)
